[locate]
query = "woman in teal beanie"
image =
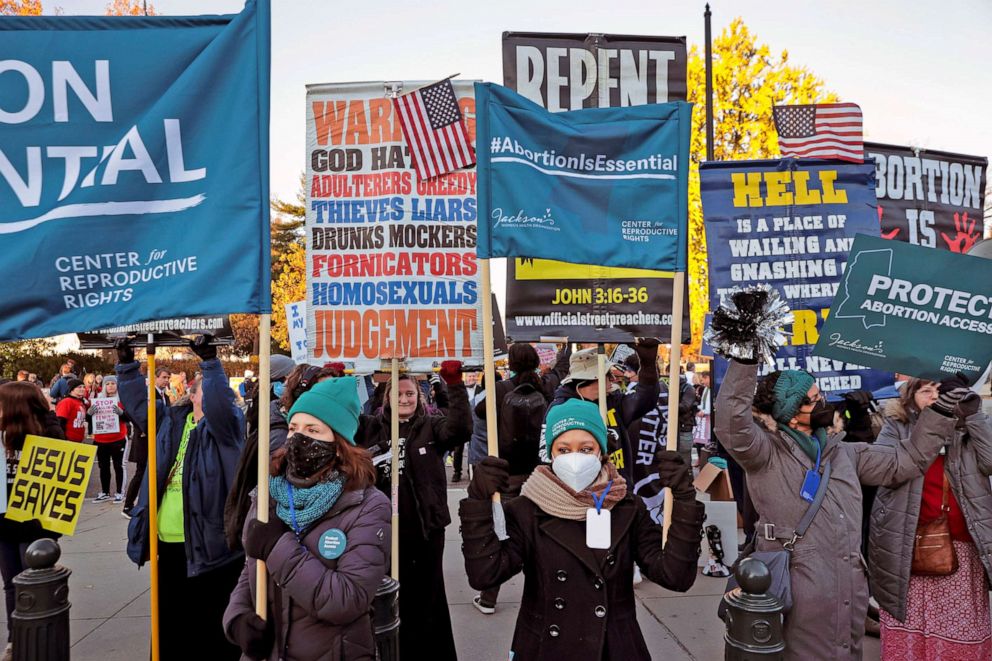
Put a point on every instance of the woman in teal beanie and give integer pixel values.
(576, 532)
(326, 544)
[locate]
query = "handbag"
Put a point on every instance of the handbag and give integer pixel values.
(778, 562)
(933, 551)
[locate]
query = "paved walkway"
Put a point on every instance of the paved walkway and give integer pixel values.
(110, 607)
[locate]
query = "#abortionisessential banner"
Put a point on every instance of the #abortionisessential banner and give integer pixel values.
(790, 224)
(391, 264)
(929, 198)
(603, 186)
(913, 310)
(134, 169)
(566, 72)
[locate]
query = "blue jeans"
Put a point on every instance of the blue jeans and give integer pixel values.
(11, 564)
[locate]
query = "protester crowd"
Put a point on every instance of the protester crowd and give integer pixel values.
(571, 522)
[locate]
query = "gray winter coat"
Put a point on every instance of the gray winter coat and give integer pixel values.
(829, 587)
(322, 606)
(897, 508)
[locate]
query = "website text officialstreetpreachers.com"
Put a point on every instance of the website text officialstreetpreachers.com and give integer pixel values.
(605, 320)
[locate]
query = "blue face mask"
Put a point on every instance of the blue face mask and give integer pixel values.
(277, 388)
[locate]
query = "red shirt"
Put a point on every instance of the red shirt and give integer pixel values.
(933, 485)
(74, 412)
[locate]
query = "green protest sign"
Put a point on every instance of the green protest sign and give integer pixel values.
(914, 310)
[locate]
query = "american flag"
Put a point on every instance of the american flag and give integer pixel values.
(434, 130)
(827, 130)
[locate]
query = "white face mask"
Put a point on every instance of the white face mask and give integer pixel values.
(576, 469)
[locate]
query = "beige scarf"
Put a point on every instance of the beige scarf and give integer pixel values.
(556, 498)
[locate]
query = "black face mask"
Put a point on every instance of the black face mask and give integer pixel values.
(822, 415)
(306, 459)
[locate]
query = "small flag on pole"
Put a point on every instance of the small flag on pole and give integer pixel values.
(827, 130)
(434, 130)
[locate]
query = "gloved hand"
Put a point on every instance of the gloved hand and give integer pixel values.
(952, 389)
(253, 635)
(489, 476)
(969, 405)
(646, 349)
(451, 372)
(125, 353)
(434, 380)
(675, 474)
(750, 302)
(201, 347)
(947, 384)
(260, 538)
(859, 401)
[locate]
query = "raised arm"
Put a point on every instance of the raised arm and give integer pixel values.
(890, 462)
(746, 442)
(455, 428)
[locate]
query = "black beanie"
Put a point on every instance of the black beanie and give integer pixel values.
(72, 385)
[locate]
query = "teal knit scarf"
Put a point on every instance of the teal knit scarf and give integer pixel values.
(301, 508)
(807, 443)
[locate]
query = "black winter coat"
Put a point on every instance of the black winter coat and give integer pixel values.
(578, 603)
(428, 439)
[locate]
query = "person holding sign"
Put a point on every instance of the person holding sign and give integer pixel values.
(576, 532)
(795, 471)
(425, 629)
(198, 443)
(24, 410)
(110, 436)
(952, 498)
(326, 544)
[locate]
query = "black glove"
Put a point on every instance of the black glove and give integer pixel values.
(950, 383)
(646, 349)
(859, 402)
(750, 302)
(969, 405)
(675, 474)
(489, 476)
(953, 390)
(125, 354)
(260, 538)
(201, 347)
(253, 635)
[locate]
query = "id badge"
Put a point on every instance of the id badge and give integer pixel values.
(598, 528)
(810, 485)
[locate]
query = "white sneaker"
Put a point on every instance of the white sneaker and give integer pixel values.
(100, 497)
(482, 608)
(119, 498)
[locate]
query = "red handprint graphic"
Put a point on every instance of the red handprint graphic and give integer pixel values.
(893, 233)
(966, 237)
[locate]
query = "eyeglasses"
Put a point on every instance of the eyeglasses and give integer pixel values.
(807, 401)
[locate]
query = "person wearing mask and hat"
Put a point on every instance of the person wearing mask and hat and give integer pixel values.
(326, 544)
(198, 443)
(71, 411)
(285, 378)
(576, 532)
(787, 455)
(582, 382)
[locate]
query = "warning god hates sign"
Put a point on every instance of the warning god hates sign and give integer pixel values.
(391, 264)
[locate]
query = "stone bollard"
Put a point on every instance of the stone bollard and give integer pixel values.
(41, 612)
(386, 619)
(754, 617)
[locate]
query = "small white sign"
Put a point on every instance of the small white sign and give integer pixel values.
(296, 325)
(105, 418)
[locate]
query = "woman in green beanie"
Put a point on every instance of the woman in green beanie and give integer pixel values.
(326, 544)
(576, 533)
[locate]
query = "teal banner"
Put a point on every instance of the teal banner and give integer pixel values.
(913, 310)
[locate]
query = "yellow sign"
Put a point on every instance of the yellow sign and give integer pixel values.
(51, 483)
(547, 269)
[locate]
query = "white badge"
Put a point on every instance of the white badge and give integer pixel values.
(598, 528)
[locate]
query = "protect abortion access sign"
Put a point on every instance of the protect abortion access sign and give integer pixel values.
(918, 311)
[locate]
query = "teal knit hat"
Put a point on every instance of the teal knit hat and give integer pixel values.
(790, 389)
(335, 403)
(574, 414)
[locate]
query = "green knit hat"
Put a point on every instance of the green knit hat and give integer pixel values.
(574, 414)
(335, 403)
(790, 389)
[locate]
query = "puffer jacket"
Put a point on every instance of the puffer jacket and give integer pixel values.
(897, 508)
(829, 585)
(321, 606)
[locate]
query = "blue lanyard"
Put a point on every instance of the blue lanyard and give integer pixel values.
(292, 510)
(599, 501)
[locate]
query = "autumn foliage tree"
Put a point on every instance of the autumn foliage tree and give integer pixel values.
(130, 8)
(20, 7)
(748, 80)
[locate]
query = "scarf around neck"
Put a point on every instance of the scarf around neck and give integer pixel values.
(556, 498)
(807, 443)
(308, 505)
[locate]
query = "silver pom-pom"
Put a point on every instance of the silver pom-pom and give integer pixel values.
(748, 325)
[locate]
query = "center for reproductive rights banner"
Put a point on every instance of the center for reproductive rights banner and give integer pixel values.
(604, 186)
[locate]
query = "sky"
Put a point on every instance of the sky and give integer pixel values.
(919, 69)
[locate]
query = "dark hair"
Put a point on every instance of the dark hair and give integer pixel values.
(523, 358)
(908, 395)
(632, 363)
(300, 380)
(162, 370)
(353, 462)
(22, 411)
(764, 396)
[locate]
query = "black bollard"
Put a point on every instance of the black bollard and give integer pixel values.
(41, 611)
(386, 619)
(754, 617)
